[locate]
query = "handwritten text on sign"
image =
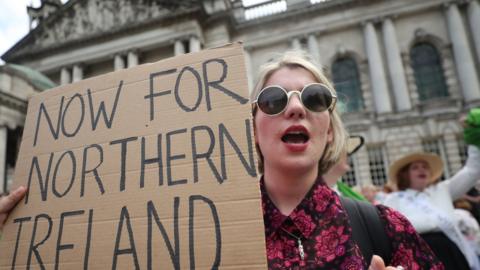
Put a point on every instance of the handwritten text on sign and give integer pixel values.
(143, 168)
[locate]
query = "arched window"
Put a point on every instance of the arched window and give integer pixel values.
(428, 72)
(347, 83)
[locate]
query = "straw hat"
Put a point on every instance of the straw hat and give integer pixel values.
(354, 143)
(434, 162)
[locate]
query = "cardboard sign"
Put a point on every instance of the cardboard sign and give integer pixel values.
(153, 167)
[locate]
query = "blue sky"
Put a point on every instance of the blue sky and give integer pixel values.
(14, 21)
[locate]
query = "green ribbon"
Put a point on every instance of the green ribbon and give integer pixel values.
(348, 192)
(471, 133)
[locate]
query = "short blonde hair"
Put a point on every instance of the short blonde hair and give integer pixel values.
(299, 59)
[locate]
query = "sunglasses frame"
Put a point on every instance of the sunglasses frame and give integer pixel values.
(299, 93)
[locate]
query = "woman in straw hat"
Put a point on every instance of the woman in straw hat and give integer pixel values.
(299, 136)
(428, 204)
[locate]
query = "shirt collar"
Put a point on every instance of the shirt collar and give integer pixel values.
(305, 216)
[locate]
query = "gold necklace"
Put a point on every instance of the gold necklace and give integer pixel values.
(299, 242)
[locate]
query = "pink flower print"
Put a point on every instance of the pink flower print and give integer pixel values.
(352, 263)
(329, 243)
(304, 222)
(405, 258)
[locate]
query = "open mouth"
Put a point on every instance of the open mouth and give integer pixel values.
(296, 135)
(422, 175)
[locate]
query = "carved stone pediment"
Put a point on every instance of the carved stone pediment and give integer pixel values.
(79, 20)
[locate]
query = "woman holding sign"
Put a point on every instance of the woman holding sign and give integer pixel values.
(299, 136)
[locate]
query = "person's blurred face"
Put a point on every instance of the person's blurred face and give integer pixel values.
(296, 138)
(337, 171)
(419, 175)
(369, 193)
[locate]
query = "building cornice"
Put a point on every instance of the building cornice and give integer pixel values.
(330, 24)
(20, 51)
(12, 102)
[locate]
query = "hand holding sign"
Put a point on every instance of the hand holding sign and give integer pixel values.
(8, 202)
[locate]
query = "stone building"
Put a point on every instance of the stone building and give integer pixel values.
(405, 69)
(17, 84)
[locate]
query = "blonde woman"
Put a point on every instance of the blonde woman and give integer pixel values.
(299, 136)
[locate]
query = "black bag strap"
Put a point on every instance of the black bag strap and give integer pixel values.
(368, 230)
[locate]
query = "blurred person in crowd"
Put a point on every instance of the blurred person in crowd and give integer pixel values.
(370, 193)
(473, 197)
(334, 175)
(467, 224)
(428, 203)
(382, 194)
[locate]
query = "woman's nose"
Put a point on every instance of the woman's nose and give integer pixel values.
(295, 107)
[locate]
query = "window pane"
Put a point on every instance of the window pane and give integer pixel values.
(428, 72)
(377, 163)
(462, 149)
(349, 177)
(347, 83)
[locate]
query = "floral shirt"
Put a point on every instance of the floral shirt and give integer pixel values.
(322, 226)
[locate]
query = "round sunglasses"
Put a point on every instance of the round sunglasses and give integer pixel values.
(316, 97)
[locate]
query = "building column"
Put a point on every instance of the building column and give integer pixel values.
(248, 67)
(3, 158)
(77, 73)
(194, 44)
(474, 19)
(132, 59)
(313, 48)
(377, 73)
(65, 77)
(118, 62)
(395, 67)
(464, 61)
(178, 47)
(296, 44)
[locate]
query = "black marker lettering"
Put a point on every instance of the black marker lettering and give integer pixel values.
(123, 158)
(174, 253)
(101, 109)
(191, 227)
(152, 94)
(124, 216)
(199, 88)
(216, 84)
(61, 246)
(171, 157)
(89, 239)
(206, 155)
(72, 178)
(94, 170)
(157, 159)
(53, 131)
(43, 185)
(82, 115)
(250, 165)
(18, 220)
(34, 246)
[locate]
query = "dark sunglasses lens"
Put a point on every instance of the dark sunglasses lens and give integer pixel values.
(272, 100)
(317, 97)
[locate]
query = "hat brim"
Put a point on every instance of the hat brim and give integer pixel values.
(434, 162)
(354, 143)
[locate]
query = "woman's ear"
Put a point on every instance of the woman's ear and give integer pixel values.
(330, 133)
